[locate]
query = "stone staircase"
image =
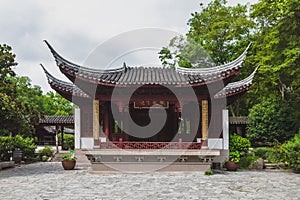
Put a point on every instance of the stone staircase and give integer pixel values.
(270, 166)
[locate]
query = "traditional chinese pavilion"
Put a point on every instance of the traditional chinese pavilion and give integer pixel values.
(103, 120)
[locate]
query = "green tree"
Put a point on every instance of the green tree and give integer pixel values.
(21, 104)
(19, 100)
(185, 52)
(55, 104)
(271, 121)
(223, 31)
(277, 43)
(20, 107)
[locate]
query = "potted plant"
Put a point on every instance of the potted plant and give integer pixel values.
(232, 163)
(238, 147)
(69, 160)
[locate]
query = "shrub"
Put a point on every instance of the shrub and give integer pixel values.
(246, 161)
(234, 156)
(209, 172)
(273, 154)
(262, 152)
(9, 143)
(238, 143)
(68, 141)
(46, 151)
(291, 152)
(271, 120)
(238, 146)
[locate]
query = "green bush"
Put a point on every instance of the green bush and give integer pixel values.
(246, 161)
(262, 152)
(68, 141)
(46, 151)
(238, 147)
(271, 121)
(234, 156)
(9, 143)
(209, 172)
(291, 152)
(275, 153)
(238, 143)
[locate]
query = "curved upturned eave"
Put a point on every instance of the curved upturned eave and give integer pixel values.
(113, 77)
(64, 87)
(60, 60)
(237, 87)
(217, 70)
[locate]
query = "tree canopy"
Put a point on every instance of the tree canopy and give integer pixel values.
(21, 104)
(224, 32)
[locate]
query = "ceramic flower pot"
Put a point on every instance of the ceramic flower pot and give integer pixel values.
(231, 166)
(68, 164)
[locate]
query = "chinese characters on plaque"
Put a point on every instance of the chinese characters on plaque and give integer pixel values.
(145, 104)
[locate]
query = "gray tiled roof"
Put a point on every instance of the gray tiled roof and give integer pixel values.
(56, 120)
(236, 87)
(139, 75)
(238, 120)
(69, 88)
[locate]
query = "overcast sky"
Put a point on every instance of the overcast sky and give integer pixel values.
(77, 28)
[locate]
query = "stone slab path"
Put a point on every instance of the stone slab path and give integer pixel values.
(50, 181)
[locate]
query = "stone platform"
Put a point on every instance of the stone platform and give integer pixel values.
(137, 161)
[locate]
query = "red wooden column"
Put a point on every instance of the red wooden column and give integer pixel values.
(126, 123)
(62, 137)
(106, 122)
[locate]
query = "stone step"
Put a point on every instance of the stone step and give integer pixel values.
(7, 164)
(270, 165)
(142, 167)
(274, 165)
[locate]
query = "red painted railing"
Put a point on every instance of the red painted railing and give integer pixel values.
(150, 145)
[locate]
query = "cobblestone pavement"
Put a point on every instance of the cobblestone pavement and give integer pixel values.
(50, 181)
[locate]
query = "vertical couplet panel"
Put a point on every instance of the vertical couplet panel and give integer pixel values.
(96, 125)
(204, 122)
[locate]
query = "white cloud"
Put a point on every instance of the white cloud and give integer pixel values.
(75, 28)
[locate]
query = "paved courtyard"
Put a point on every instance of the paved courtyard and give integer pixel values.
(50, 181)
